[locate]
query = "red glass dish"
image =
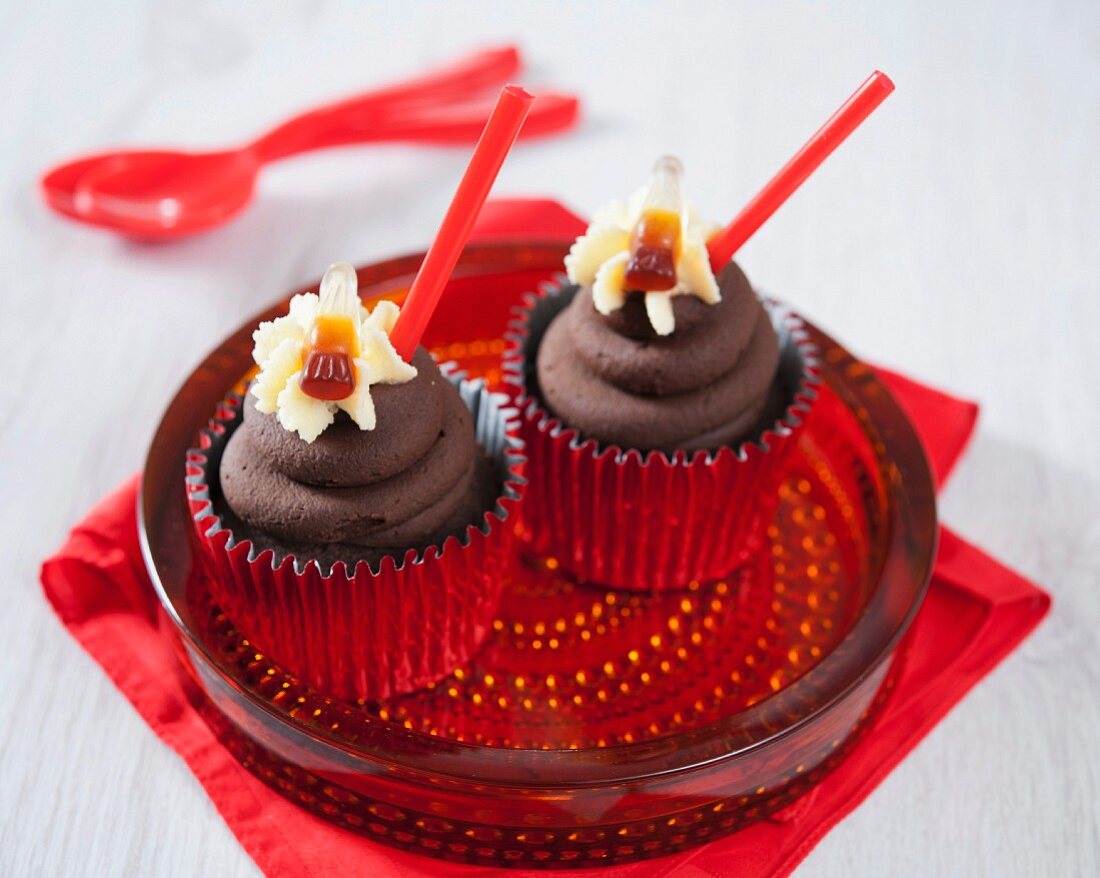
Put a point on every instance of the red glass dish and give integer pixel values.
(596, 726)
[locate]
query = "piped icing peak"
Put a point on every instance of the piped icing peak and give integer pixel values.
(654, 244)
(324, 355)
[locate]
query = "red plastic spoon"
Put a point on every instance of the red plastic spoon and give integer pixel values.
(171, 194)
(165, 194)
(467, 76)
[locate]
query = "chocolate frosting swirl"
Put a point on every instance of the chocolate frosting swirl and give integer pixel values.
(398, 485)
(708, 384)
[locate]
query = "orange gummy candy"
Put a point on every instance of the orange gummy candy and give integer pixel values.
(328, 373)
(654, 249)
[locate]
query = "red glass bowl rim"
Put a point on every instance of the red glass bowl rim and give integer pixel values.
(911, 530)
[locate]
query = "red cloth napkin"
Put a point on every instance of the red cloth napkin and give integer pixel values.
(976, 612)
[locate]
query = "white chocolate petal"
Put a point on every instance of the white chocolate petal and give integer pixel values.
(304, 308)
(270, 334)
(592, 250)
(383, 317)
(701, 230)
(301, 413)
(615, 213)
(658, 307)
(607, 289)
(694, 273)
(695, 225)
(278, 367)
(360, 405)
(634, 205)
(381, 363)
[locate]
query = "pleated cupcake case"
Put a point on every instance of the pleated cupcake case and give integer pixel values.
(357, 631)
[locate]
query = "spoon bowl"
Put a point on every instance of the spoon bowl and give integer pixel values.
(166, 193)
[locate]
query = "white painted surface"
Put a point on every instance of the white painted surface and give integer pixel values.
(955, 238)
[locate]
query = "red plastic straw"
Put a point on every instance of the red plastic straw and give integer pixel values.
(497, 138)
(843, 122)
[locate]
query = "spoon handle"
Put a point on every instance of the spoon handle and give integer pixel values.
(356, 119)
(464, 123)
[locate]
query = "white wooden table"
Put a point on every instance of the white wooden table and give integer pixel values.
(954, 238)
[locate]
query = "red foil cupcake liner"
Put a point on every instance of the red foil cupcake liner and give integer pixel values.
(649, 521)
(366, 632)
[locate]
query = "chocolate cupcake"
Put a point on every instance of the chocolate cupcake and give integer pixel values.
(709, 384)
(666, 396)
(353, 495)
(353, 505)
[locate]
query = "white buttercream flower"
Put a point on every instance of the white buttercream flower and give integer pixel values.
(280, 347)
(599, 258)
